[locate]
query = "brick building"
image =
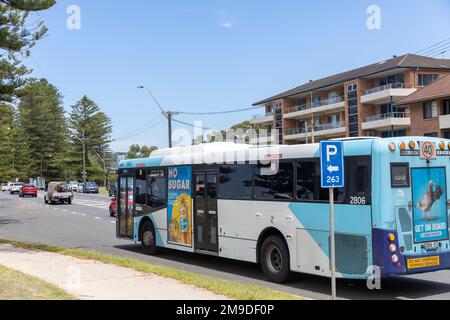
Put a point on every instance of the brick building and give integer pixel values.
(360, 102)
(430, 109)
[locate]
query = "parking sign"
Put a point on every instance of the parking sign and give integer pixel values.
(332, 164)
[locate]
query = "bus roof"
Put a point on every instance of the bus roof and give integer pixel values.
(229, 153)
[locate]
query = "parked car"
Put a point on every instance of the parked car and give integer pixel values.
(113, 190)
(90, 187)
(80, 188)
(113, 207)
(74, 186)
(5, 187)
(15, 188)
(28, 190)
(58, 192)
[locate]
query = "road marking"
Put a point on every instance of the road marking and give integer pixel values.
(113, 222)
(98, 218)
(404, 298)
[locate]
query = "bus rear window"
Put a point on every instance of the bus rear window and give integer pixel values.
(400, 175)
(358, 183)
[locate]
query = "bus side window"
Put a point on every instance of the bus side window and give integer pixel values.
(358, 184)
(276, 186)
(140, 188)
(156, 190)
(235, 181)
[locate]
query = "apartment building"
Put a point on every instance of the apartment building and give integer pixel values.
(430, 109)
(360, 102)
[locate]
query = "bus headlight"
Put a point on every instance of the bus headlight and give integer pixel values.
(395, 259)
(392, 248)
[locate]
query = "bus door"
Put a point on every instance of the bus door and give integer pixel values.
(205, 212)
(126, 207)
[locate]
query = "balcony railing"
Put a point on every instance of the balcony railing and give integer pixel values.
(260, 116)
(302, 107)
(327, 102)
(388, 87)
(385, 116)
(317, 128)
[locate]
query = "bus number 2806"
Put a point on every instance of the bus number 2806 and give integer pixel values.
(358, 200)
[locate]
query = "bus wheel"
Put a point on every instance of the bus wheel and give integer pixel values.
(148, 239)
(275, 259)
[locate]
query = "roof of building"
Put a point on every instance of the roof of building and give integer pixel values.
(404, 61)
(436, 90)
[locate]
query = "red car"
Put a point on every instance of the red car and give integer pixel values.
(28, 190)
(113, 207)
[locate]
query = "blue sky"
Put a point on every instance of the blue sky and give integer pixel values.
(201, 55)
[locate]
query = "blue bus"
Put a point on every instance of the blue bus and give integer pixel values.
(265, 205)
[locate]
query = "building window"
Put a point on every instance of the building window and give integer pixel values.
(446, 135)
(446, 107)
(393, 134)
(431, 135)
(393, 79)
(352, 92)
(235, 182)
(427, 79)
(430, 110)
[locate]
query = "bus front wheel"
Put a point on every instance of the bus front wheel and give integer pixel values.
(275, 259)
(148, 238)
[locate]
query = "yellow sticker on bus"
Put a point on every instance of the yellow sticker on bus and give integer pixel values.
(424, 262)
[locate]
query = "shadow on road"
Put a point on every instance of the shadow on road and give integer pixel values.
(319, 287)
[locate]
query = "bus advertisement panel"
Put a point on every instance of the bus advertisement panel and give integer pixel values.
(430, 209)
(179, 209)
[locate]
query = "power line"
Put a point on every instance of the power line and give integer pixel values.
(154, 124)
(190, 125)
(430, 47)
(218, 112)
(438, 49)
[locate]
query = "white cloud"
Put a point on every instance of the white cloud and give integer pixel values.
(228, 24)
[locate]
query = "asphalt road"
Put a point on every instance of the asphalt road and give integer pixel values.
(86, 224)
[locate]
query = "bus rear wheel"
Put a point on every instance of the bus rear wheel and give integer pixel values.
(148, 238)
(275, 259)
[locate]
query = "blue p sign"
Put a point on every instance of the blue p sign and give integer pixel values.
(332, 164)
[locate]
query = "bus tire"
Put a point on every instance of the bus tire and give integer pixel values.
(275, 259)
(148, 238)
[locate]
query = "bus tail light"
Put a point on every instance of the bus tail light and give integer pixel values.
(402, 146)
(392, 248)
(442, 145)
(391, 237)
(412, 145)
(395, 259)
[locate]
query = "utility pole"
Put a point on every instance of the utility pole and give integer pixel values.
(169, 119)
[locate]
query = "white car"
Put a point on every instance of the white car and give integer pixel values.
(15, 188)
(5, 187)
(74, 186)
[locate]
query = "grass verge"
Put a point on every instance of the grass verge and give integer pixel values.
(231, 289)
(15, 285)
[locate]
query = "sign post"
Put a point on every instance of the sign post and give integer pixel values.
(332, 176)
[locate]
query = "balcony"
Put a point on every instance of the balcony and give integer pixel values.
(444, 122)
(329, 129)
(262, 118)
(323, 106)
(383, 94)
(386, 121)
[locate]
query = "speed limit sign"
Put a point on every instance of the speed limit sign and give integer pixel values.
(428, 150)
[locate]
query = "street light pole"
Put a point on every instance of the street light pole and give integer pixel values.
(84, 158)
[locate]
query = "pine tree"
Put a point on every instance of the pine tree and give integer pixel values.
(87, 123)
(41, 118)
(16, 40)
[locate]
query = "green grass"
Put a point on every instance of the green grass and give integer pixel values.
(231, 289)
(16, 285)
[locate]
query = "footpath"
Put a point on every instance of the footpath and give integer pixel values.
(92, 280)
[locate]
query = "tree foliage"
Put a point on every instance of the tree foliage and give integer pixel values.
(16, 40)
(137, 152)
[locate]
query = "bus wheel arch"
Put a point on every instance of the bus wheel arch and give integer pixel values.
(273, 255)
(147, 236)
